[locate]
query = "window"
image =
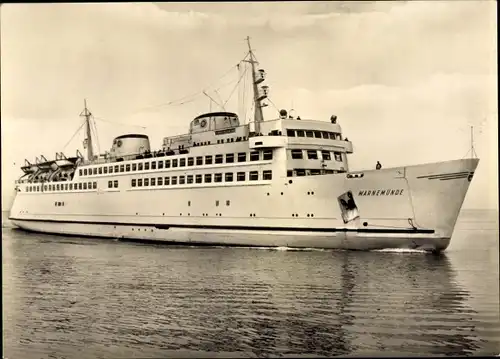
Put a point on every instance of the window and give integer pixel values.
(219, 159)
(115, 184)
(189, 179)
(290, 133)
(217, 203)
(110, 169)
(208, 178)
(218, 177)
(267, 155)
(199, 179)
(338, 156)
(301, 172)
(84, 185)
(289, 173)
(160, 180)
(95, 170)
(208, 160)
(297, 154)
(182, 162)
(230, 158)
(146, 182)
(117, 168)
(228, 203)
(182, 179)
(175, 163)
(100, 170)
(309, 134)
(199, 160)
(326, 155)
(146, 166)
(312, 154)
(153, 181)
(94, 186)
(105, 170)
(85, 172)
(267, 175)
(167, 181)
(242, 157)
(80, 172)
(317, 134)
(315, 172)
(325, 134)
(189, 203)
(229, 177)
(254, 156)
(174, 180)
(300, 133)
(190, 161)
(139, 182)
(57, 187)
(134, 166)
(167, 163)
(134, 182)
(45, 187)
(122, 168)
(331, 135)
(80, 185)
(71, 185)
(160, 165)
(153, 165)
(240, 176)
(127, 168)
(254, 175)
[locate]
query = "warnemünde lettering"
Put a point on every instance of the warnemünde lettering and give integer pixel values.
(381, 192)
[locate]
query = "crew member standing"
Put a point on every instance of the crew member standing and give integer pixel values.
(379, 166)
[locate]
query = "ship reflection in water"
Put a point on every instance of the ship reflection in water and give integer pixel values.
(91, 298)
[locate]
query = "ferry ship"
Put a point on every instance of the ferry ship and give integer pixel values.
(280, 182)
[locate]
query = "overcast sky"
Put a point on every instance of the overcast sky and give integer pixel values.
(406, 79)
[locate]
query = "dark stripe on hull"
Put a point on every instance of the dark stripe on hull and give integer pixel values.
(244, 228)
(447, 175)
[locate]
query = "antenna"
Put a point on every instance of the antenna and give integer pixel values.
(473, 153)
(258, 115)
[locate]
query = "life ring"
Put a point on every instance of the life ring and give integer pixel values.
(119, 143)
(203, 123)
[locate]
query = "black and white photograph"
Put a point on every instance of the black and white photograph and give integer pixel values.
(249, 179)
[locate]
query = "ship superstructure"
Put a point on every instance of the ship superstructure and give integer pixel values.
(278, 182)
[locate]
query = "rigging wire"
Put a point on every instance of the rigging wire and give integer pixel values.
(272, 103)
(93, 128)
(234, 88)
(78, 130)
(117, 123)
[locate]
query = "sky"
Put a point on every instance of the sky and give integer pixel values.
(407, 80)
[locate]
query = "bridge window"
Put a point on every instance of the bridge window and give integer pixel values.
(80, 172)
(208, 160)
(182, 162)
(134, 166)
(199, 179)
(290, 133)
(153, 165)
(167, 163)
(100, 170)
(300, 133)
(167, 181)
(326, 155)
(317, 134)
(160, 181)
(160, 165)
(332, 135)
(218, 177)
(189, 179)
(127, 168)
(105, 169)
(254, 175)
(85, 172)
(229, 177)
(325, 134)
(242, 157)
(134, 182)
(146, 166)
(199, 160)
(312, 154)
(309, 134)
(219, 159)
(338, 156)
(139, 182)
(267, 155)
(297, 154)
(208, 178)
(153, 181)
(190, 161)
(122, 168)
(182, 179)
(229, 157)
(267, 175)
(175, 163)
(254, 156)
(95, 170)
(173, 180)
(110, 169)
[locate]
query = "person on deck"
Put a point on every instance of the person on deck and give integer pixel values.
(379, 166)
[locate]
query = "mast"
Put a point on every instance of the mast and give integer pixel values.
(87, 143)
(258, 116)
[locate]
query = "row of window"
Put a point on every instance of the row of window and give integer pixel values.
(206, 178)
(68, 186)
(314, 134)
(310, 172)
(180, 162)
(313, 155)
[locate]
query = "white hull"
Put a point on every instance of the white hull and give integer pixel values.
(421, 215)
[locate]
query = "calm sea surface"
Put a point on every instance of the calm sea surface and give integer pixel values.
(89, 298)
